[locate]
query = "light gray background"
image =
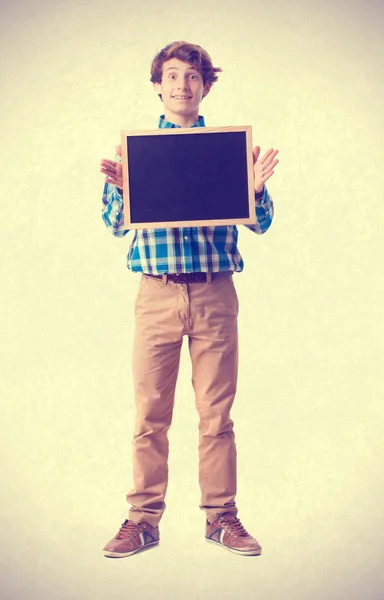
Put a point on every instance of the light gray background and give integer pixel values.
(308, 77)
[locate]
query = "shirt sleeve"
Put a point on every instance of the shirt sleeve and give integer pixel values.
(113, 208)
(264, 212)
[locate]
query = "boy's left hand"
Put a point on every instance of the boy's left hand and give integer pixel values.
(263, 167)
(113, 170)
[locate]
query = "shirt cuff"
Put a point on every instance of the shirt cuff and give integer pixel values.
(260, 197)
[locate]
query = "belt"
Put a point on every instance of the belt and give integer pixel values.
(191, 277)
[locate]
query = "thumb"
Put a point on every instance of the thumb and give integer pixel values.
(256, 152)
(118, 150)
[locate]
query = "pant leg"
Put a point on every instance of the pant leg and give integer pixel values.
(213, 347)
(156, 356)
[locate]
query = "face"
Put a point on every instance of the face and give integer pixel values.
(182, 90)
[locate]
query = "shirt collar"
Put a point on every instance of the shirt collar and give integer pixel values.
(164, 124)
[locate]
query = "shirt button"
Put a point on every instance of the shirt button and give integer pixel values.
(186, 237)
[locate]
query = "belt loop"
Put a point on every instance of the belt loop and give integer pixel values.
(209, 277)
(165, 278)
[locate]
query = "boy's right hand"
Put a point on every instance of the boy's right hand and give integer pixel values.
(113, 170)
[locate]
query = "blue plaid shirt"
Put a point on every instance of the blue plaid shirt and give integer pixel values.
(185, 249)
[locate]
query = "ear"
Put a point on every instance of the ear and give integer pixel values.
(157, 87)
(206, 89)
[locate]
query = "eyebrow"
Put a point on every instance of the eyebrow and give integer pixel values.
(178, 69)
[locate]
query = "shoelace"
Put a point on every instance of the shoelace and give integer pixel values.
(234, 525)
(128, 528)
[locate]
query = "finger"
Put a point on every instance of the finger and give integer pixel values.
(108, 171)
(270, 154)
(268, 166)
(106, 161)
(111, 180)
(267, 171)
(267, 175)
(265, 156)
(110, 166)
(118, 149)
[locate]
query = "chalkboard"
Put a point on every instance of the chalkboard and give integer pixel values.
(188, 177)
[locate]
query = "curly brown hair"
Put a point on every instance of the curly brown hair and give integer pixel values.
(187, 52)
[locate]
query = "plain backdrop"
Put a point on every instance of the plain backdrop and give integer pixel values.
(308, 78)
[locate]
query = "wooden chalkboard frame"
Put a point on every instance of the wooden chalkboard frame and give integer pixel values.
(134, 194)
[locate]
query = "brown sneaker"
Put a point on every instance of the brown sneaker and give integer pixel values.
(227, 531)
(131, 538)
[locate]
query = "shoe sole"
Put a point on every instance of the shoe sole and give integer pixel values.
(109, 554)
(253, 552)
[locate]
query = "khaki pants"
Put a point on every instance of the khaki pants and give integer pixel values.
(165, 311)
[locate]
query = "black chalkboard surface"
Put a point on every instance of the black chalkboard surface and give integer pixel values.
(188, 177)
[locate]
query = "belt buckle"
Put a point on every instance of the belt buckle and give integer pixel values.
(181, 277)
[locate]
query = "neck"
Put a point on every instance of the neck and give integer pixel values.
(181, 120)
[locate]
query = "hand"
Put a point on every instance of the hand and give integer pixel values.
(112, 170)
(263, 167)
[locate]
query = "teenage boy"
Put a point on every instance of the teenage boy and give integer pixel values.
(186, 288)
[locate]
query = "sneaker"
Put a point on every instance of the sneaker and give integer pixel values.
(131, 538)
(227, 531)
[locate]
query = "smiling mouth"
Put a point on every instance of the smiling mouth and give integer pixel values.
(182, 97)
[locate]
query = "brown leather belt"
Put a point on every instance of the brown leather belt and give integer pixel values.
(191, 277)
